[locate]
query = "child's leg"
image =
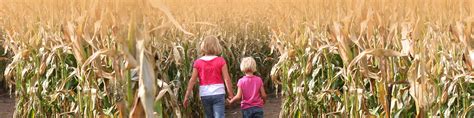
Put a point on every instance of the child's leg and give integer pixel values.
(219, 106)
(257, 113)
(252, 112)
(246, 113)
(207, 103)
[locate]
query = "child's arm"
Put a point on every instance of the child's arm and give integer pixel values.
(262, 92)
(236, 97)
(190, 87)
(228, 82)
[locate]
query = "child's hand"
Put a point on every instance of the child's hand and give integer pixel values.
(228, 104)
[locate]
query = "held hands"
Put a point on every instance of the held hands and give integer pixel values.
(230, 96)
(229, 101)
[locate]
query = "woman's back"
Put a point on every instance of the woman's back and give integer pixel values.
(210, 69)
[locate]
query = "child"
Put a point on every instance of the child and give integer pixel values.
(250, 89)
(212, 73)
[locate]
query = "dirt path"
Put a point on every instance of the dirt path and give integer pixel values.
(7, 104)
(271, 109)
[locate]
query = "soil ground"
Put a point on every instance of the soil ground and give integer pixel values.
(271, 108)
(7, 104)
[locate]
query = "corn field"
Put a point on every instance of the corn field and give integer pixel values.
(323, 58)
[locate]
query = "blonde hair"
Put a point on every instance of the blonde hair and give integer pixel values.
(248, 64)
(210, 46)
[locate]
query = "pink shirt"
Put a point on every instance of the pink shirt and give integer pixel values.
(250, 86)
(210, 75)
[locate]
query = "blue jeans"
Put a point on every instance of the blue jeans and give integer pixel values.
(214, 106)
(252, 112)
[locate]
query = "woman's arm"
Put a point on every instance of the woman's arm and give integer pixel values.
(236, 97)
(228, 82)
(190, 87)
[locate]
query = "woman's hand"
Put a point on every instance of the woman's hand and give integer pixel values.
(229, 97)
(191, 83)
(185, 102)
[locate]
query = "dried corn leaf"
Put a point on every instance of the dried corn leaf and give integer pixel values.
(378, 52)
(160, 5)
(342, 42)
(176, 54)
(422, 89)
(470, 59)
(147, 88)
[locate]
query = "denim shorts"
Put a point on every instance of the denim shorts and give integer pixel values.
(214, 106)
(252, 112)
